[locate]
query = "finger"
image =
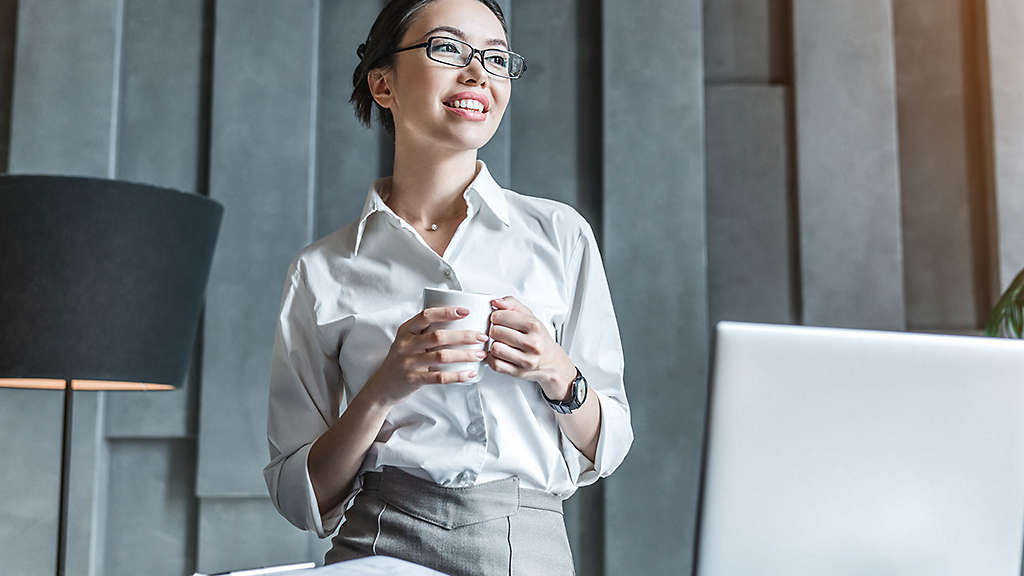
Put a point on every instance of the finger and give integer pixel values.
(510, 355)
(431, 341)
(512, 319)
(420, 322)
(499, 365)
(515, 338)
(449, 355)
(510, 303)
(437, 376)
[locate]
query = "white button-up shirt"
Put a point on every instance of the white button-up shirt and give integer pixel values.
(344, 298)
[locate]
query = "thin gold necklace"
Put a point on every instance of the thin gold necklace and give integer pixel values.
(387, 194)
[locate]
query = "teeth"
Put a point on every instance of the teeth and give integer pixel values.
(468, 104)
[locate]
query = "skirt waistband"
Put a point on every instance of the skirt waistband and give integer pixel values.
(453, 507)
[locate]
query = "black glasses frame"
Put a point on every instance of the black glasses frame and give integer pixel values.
(482, 53)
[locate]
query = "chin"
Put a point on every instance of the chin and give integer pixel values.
(467, 141)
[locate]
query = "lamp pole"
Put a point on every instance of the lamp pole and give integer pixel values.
(65, 471)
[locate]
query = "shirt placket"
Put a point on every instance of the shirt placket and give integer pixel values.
(476, 429)
(450, 279)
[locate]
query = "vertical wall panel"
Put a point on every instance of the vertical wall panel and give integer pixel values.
(545, 100)
(556, 106)
(936, 190)
(655, 256)
(8, 34)
(850, 247)
(260, 155)
(151, 521)
(236, 533)
(497, 153)
(749, 258)
(1006, 45)
(347, 153)
(62, 120)
(63, 79)
(159, 143)
(745, 41)
(30, 482)
(87, 502)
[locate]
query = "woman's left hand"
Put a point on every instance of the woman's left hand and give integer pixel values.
(523, 348)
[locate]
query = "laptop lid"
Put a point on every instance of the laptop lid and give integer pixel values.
(839, 451)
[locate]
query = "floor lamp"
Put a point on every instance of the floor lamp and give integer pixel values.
(101, 287)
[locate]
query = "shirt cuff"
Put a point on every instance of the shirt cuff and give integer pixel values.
(324, 525)
(581, 469)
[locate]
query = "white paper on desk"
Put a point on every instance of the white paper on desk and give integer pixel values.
(370, 566)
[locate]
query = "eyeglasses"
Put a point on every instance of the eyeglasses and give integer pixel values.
(459, 54)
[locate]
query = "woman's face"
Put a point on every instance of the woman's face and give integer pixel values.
(420, 88)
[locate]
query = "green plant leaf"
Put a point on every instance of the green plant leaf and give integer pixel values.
(1007, 316)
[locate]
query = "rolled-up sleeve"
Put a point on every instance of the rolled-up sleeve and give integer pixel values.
(305, 399)
(590, 336)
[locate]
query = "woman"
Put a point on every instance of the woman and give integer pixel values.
(466, 478)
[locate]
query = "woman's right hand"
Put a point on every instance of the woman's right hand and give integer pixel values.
(417, 358)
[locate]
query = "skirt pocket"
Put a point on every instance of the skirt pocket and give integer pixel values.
(358, 534)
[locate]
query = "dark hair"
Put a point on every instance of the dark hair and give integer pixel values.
(385, 34)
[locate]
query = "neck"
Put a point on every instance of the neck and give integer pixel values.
(428, 182)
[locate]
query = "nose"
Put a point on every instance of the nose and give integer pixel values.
(475, 70)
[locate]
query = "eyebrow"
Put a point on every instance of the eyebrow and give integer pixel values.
(462, 36)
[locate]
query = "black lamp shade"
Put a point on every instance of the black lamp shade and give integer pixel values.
(101, 279)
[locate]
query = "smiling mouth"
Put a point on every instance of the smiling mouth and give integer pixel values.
(467, 113)
(480, 110)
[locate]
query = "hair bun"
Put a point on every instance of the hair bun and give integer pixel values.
(361, 51)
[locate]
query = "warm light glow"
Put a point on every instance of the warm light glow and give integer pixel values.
(51, 384)
(38, 383)
(108, 385)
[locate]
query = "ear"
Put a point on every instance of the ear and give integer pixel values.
(379, 88)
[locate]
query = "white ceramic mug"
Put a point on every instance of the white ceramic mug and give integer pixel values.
(479, 319)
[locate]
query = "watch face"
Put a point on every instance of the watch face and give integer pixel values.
(581, 391)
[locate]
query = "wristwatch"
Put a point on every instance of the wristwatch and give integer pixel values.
(576, 398)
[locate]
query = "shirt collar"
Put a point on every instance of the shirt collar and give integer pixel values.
(483, 185)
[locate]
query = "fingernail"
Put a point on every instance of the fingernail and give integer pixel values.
(472, 374)
(481, 337)
(480, 354)
(462, 311)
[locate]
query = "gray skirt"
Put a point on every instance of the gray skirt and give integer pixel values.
(491, 528)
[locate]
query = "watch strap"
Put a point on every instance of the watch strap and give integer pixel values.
(574, 402)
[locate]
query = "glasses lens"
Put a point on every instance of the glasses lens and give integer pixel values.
(449, 51)
(503, 63)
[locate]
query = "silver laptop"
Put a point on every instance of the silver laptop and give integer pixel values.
(840, 452)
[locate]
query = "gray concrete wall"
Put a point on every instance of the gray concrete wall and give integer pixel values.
(791, 161)
(1005, 19)
(848, 166)
(942, 242)
(655, 254)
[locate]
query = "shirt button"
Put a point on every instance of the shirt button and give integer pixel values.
(448, 273)
(476, 430)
